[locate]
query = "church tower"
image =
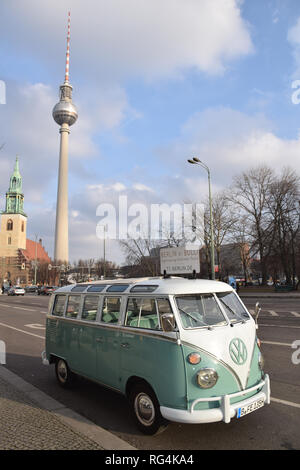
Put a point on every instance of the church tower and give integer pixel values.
(13, 218)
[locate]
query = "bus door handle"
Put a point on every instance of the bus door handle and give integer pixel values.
(125, 345)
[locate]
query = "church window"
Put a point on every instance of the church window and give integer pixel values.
(9, 225)
(9, 241)
(22, 227)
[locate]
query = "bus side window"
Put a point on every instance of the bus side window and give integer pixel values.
(90, 307)
(73, 306)
(59, 305)
(142, 313)
(133, 310)
(164, 306)
(111, 309)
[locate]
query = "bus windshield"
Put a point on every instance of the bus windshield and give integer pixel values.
(199, 310)
(233, 307)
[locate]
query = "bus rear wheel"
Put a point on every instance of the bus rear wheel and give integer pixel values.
(64, 376)
(145, 410)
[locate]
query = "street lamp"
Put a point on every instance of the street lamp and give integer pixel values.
(196, 161)
(35, 262)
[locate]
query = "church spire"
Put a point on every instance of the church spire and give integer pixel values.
(16, 178)
(14, 195)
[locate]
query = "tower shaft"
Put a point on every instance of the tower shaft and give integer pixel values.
(64, 114)
(61, 249)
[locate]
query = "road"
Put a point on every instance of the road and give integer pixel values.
(276, 426)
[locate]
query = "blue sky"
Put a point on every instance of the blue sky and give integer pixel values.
(155, 82)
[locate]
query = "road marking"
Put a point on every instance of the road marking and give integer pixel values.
(279, 326)
(38, 326)
(277, 344)
(285, 402)
(296, 314)
(274, 314)
(23, 308)
(22, 331)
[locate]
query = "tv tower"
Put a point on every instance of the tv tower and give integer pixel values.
(65, 114)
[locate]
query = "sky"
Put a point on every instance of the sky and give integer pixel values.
(155, 83)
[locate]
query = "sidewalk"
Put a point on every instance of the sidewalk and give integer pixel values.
(32, 420)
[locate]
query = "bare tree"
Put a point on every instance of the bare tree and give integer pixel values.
(285, 209)
(250, 193)
(141, 253)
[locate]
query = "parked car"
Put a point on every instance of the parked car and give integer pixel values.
(16, 290)
(31, 288)
(46, 290)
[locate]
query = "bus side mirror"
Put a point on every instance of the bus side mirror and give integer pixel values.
(256, 313)
(167, 322)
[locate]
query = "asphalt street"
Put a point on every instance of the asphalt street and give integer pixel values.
(275, 426)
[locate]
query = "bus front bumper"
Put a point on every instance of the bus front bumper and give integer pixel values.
(224, 412)
(44, 359)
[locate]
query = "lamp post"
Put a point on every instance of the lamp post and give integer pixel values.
(196, 161)
(35, 262)
(104, 251)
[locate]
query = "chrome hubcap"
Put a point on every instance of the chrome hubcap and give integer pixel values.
(62, 371)
(144, 409)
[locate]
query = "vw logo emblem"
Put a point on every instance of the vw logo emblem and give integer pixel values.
(238, 351)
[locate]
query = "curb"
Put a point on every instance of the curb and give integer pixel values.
(269, 296)
(77, 422)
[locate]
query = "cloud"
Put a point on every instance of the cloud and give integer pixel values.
(228, 142)
(136, 38)
(29, 130)
(112, 42)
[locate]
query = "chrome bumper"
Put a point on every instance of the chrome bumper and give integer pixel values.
(44, 359)
(224, 412)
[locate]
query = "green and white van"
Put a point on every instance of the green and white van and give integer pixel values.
(182, 350)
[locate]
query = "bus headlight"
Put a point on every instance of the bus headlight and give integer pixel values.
(207, 378)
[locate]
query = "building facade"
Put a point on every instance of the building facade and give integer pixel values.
(18, 255)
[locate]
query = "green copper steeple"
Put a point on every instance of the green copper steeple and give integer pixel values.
(14, 195)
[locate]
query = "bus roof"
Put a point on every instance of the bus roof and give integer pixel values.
(157, 285)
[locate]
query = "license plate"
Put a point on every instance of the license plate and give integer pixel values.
(244, 410)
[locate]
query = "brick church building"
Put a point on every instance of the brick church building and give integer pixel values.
(18, 254)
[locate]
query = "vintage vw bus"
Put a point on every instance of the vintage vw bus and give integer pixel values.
(182, 350)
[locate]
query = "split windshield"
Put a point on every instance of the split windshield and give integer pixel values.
(199, 311)
(233, 307)
(203, 310)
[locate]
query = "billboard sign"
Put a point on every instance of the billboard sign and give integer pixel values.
(179, 261)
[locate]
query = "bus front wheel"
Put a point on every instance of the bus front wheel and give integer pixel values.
(145, 410)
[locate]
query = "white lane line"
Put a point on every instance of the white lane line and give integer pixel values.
(38, 326)
(277, 344)
(285, 402)
(23, 308)
(274, 314)
(296, 314)
(22, 331)
(278, 326)
(34, 309)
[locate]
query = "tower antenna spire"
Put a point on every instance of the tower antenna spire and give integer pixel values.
(68, 50)
(65, 114)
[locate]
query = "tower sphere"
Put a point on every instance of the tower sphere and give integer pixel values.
(65, 112)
